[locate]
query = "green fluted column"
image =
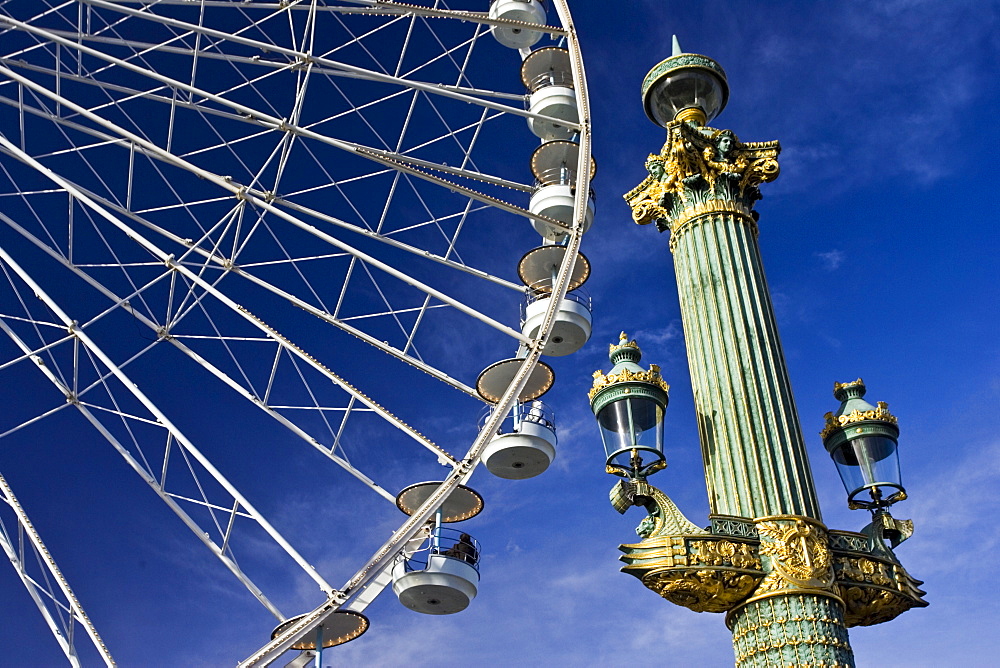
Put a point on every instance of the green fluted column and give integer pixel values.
(755, 459)
(702, 187)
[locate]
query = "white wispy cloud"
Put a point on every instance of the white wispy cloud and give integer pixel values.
(661, 336)
(831, 259)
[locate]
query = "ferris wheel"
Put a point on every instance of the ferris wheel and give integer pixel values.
(250, 247)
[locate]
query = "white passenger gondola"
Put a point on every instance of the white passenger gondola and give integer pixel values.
(538, 269)
(547, 75)
(526, 445)
(573, 321)
(554, 166)
(523, 11)
(440, 574)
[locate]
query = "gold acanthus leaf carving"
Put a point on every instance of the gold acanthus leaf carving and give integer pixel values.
(835, 422)
(862, 569)
(702, 590)
(652, 376)
(695, 157)
(725, 553)
(867, 606)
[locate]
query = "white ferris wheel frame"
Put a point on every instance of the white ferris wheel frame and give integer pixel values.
(373, 575)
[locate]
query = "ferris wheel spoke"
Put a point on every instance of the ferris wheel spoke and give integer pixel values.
(393, 161)
(343, 324)
(161, 254)
(294, 55)
(49, 590)
(291, 349)
(390, 241)
(37, 418)
(401, 162)
(203, 53)
(143, 470)
(189, 452)
(340, 323)
(246, 115)
(373, 7)
(259, 200)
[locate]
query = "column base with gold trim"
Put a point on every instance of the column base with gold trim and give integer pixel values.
(791, 630)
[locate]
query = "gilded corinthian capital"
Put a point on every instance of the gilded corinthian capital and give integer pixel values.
(701, 170)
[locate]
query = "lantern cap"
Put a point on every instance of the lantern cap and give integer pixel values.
(627, 377)
(857, 414)
(624, 350)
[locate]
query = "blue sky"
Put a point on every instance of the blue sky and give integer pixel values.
(878, 242)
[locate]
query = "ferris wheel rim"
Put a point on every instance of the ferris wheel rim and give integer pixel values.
(559, 291)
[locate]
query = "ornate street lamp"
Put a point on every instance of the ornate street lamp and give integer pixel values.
(685, 87)
(629, 404)
(790, 587)
(861, 439)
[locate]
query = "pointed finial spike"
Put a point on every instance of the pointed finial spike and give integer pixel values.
(677, 47)
(623, 337)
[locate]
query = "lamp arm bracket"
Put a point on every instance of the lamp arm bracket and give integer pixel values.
(664, 518)
(885, 532)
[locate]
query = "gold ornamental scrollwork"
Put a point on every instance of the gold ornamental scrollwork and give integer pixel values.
(875, 590)
(866, 606)
(725, 553)
(798, 554)
(702, 590)
(703, 572)
(863, 569)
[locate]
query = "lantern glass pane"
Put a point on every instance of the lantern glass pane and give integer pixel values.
(647, 416)
(868, 461)
(686, 88)
(631, 422)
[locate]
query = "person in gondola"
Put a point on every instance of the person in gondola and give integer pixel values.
(463, 549)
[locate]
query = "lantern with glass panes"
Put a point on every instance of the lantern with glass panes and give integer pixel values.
(862, 441)
(629, 403)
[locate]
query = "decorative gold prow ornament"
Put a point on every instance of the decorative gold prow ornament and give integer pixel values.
(683, 563)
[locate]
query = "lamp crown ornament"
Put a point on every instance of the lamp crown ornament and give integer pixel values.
(624, 350)
(854, 409)
(626, 375)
